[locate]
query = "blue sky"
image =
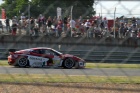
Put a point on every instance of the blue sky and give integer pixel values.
(126, 8)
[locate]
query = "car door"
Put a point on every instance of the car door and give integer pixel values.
(37, 58)
(48, 55)
(56, 58)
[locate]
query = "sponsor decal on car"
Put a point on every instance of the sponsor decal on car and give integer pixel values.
(35, 58)
(37, 61)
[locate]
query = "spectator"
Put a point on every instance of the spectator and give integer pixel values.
(125, 29)
(55, 21)
(7, 22)
(14, 29)
(49, 24)
(90, 31)
(121, 30)
(82, 29)
(41, 21)
(14, 25)
(59, 30)
(72, 26)
(97, 32)
(105, 21)
(32, 24)
(65, 23)
(36, 31)
(68, 32)
(87, 25)
(22, 16)
(1, 26)
(128, 34)
(134, 20)
(80, 20)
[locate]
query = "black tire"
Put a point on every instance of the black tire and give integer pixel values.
(68, 63)
(23, 62)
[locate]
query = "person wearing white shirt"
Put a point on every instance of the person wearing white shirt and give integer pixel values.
(72, 26)
(87, 24)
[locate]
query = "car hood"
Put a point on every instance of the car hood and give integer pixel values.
(72, 56)
(68, 55)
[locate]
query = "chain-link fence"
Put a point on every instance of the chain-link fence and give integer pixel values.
(112, 55)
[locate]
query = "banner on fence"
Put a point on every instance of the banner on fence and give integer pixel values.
(58, 12)
(3, 13)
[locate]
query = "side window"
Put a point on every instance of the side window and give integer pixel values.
(36, 51)
(54, 53)
(47, 52)
(42, 51)
(39, 51)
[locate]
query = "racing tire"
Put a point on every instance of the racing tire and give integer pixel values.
(23, 62)
(68, 63)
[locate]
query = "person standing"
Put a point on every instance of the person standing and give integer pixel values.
(87, 25)
(49, 24)
(65, 23)
(59, 30)
(41, 22)
(14, 26)
(72, 26)
(7, 22)
(1, 26)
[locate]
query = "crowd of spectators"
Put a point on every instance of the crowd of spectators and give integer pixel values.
(67, 27)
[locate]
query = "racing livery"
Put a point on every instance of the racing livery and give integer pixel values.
(44, 57)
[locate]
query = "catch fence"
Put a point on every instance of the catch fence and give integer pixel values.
(96, 79)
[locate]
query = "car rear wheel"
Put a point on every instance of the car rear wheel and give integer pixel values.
(23, 62)
(68, 63)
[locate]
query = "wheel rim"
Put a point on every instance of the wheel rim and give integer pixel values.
(69, 63)
(22, 62)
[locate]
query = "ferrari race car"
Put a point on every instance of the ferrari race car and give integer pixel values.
(44, 57)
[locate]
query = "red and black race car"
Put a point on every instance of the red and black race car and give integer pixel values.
(44, 57)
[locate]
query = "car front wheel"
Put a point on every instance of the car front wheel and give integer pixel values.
(68, 63)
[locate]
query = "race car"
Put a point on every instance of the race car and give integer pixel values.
(44, 57)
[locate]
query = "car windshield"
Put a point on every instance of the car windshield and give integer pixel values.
(57, 51)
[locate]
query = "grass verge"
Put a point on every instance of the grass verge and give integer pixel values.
(112, 65)
(35, 78)
(95, 65)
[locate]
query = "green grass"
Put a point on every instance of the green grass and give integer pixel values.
(95, 65)
(35, 78)
(3, 62)
(112, 65)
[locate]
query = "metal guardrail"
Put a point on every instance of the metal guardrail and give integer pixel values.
(96, 56)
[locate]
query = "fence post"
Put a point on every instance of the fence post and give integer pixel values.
(114, 22)
(71, 18)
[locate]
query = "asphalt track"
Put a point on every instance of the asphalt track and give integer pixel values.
(60, 71)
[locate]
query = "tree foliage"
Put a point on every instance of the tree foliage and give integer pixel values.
(48, 7)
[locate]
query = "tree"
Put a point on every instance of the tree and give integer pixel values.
(14, 7)
(48, 7)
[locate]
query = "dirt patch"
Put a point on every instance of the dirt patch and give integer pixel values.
(69, 88)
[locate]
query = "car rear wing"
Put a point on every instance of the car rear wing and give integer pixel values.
(11, 51)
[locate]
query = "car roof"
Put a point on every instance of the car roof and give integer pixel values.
(41, 48)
